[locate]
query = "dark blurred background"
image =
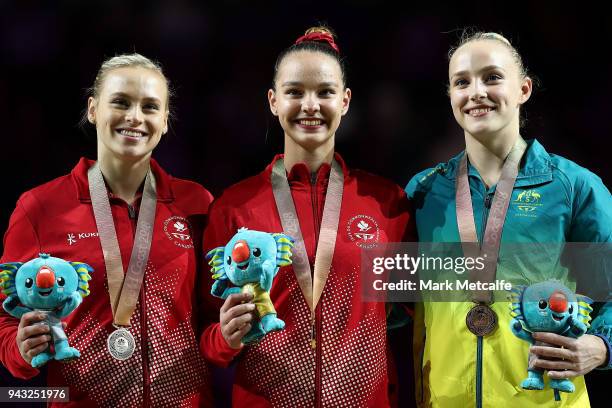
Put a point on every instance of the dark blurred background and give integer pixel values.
(219, 58)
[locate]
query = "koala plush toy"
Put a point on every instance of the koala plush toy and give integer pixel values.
(548, 307)
(49, 285)
(249, 262)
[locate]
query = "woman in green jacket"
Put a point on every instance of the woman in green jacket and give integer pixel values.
(549, 200)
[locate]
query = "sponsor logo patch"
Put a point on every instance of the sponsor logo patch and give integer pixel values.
(73, 237)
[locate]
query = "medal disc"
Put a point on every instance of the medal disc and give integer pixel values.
(121, 344)
(481, 320)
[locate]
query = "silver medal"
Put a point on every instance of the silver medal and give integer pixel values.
(121, 344)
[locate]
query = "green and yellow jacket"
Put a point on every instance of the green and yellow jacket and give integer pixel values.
(554, 201)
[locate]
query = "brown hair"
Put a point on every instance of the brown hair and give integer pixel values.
(324, 43)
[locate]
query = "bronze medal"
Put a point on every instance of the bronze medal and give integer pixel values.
(481, 320)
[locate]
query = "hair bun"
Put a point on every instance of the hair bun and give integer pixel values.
(319, 34)
(496, 36)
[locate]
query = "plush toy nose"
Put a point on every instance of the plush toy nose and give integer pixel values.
(45, 278)
(241, 251)
(558, 302)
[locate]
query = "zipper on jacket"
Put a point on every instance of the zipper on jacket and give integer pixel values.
(143, 322)
(318, 363)
(485, 215)
(316, 324)
(145, 350)
(479, 340)
(315, 218)
(315, 208)
(132, 215)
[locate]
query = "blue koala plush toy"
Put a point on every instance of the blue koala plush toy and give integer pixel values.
(50, 285)
(249, 261)
(548, 307)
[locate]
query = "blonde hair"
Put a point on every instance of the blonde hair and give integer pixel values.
(123, 61)
(468, 36)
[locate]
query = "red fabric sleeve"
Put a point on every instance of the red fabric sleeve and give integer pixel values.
(20, 245)
(213, 346)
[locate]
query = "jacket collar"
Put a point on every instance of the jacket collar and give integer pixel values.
(79, 177)
(300, 173)
(536, 166)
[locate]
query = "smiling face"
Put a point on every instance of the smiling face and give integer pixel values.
(130, 112)
(548, 307)
(309, 98)
(486, 88)
(45, 283)
(245, 253)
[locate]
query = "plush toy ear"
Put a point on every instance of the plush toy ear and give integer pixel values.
(7, 277)
(584, 309)
(515, 298)
(284, 243)
(215, 257)
(83, 271)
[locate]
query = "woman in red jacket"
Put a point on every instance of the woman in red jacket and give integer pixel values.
(155, 218)
(332, 349)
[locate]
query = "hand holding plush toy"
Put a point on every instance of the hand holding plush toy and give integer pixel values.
(548, 307)
(249, 261)
(50, 285)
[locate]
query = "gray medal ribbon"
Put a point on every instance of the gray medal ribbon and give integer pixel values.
(123, 290)
(497, 216)
(312, 289)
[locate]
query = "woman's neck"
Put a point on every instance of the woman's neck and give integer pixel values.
(489, 154)
(124, 177)
(294, 153)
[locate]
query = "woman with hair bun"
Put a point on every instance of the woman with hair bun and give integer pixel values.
(332, 351)
(136, 335)
(502, 182)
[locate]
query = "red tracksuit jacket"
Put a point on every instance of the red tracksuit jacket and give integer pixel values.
(166, 368)
(348, 366)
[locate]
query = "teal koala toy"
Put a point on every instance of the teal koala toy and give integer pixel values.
(52, 286)
(249, 261)
(548, 307)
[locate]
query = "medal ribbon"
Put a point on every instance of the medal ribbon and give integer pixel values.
(311, 289)
(495, 223)
(123, 290)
